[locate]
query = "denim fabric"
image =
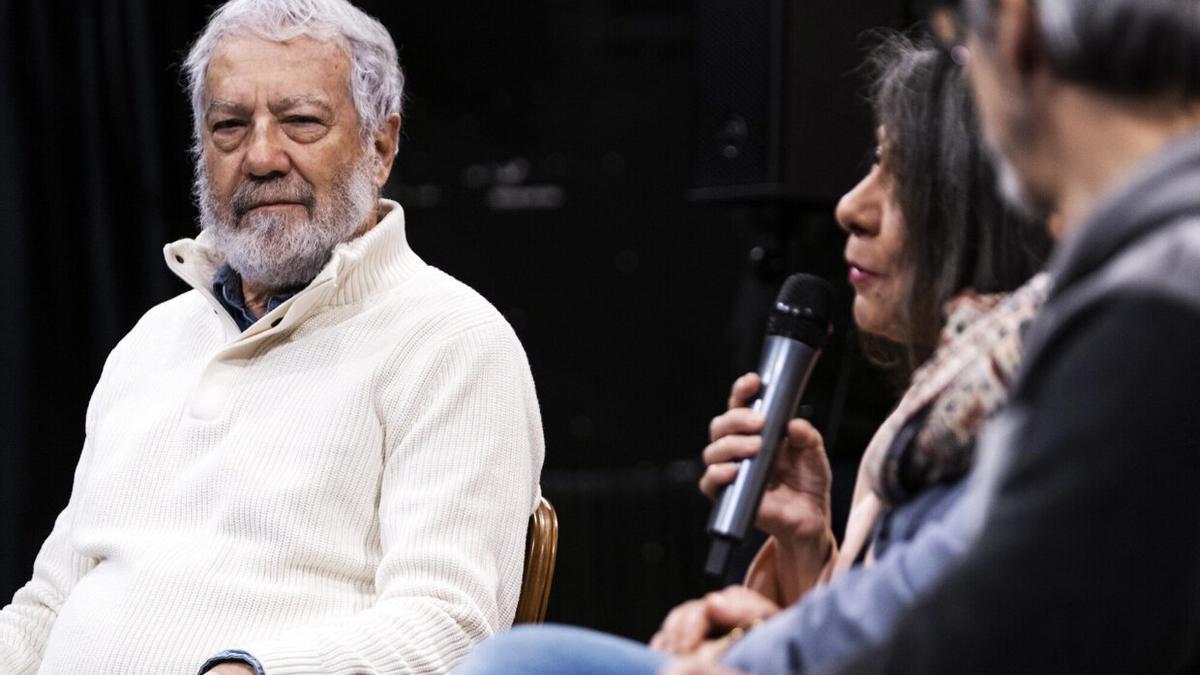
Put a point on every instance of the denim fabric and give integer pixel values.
(560, 650)
(232, 656)
(227, 286)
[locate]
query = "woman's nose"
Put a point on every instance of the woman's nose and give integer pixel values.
(859, 210)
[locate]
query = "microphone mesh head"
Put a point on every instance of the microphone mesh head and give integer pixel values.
(812, 296)
(802, 310)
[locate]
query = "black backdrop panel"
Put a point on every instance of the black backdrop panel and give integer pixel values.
(777, 119)
(545, 164)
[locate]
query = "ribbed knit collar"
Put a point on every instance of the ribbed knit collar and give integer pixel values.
(376, 261)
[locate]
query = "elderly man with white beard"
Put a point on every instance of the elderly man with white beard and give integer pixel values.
(323, 457)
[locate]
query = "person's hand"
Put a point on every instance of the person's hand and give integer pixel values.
(796, 503)
(686, 628)
(231, 668)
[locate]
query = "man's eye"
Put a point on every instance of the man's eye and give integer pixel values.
(225, 125)
(302, 119)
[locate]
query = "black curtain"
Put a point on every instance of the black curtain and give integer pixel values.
(12, 275)
(90, 189)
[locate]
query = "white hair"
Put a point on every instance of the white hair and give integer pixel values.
(376, 80)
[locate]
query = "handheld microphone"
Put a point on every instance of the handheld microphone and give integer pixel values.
(796, 331)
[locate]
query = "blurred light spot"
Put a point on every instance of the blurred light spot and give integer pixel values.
(429, 196)
(425, 196)
(526, 198)
(732, 136)
(513, 172)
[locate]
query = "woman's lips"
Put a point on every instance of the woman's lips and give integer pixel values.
(860, 276)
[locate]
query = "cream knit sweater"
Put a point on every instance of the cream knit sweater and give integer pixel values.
(343, 488)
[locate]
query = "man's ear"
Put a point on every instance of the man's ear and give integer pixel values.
(1019, 40)
(386, 142)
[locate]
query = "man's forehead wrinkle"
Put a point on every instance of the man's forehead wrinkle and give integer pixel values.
(246, 66)
(302, 51)
(227, 106)
(287, 102)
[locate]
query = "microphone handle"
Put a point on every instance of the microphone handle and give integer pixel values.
(785, 368)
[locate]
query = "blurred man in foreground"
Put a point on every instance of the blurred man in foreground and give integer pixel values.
(320, 460)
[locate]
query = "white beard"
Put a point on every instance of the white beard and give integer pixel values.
(277, 251)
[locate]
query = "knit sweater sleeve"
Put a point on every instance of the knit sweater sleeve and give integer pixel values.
(25, 623)
(464, 450)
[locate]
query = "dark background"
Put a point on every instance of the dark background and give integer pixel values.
(549, 152)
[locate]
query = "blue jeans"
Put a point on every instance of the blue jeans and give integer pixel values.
(560, 650)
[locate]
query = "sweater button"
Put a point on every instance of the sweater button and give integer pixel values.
(275, 322)
(179, 259)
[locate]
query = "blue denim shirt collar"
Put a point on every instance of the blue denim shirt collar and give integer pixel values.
(227, 286)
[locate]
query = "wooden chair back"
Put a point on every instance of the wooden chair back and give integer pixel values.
(541, 550)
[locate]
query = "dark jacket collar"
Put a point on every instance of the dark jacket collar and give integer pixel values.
(1163, 189)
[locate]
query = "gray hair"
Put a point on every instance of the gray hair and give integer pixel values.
(1124, 47)
(376, 80)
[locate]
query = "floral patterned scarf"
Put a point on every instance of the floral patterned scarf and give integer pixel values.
(930, 436)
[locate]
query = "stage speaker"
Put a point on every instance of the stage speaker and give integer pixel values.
(782, 110)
